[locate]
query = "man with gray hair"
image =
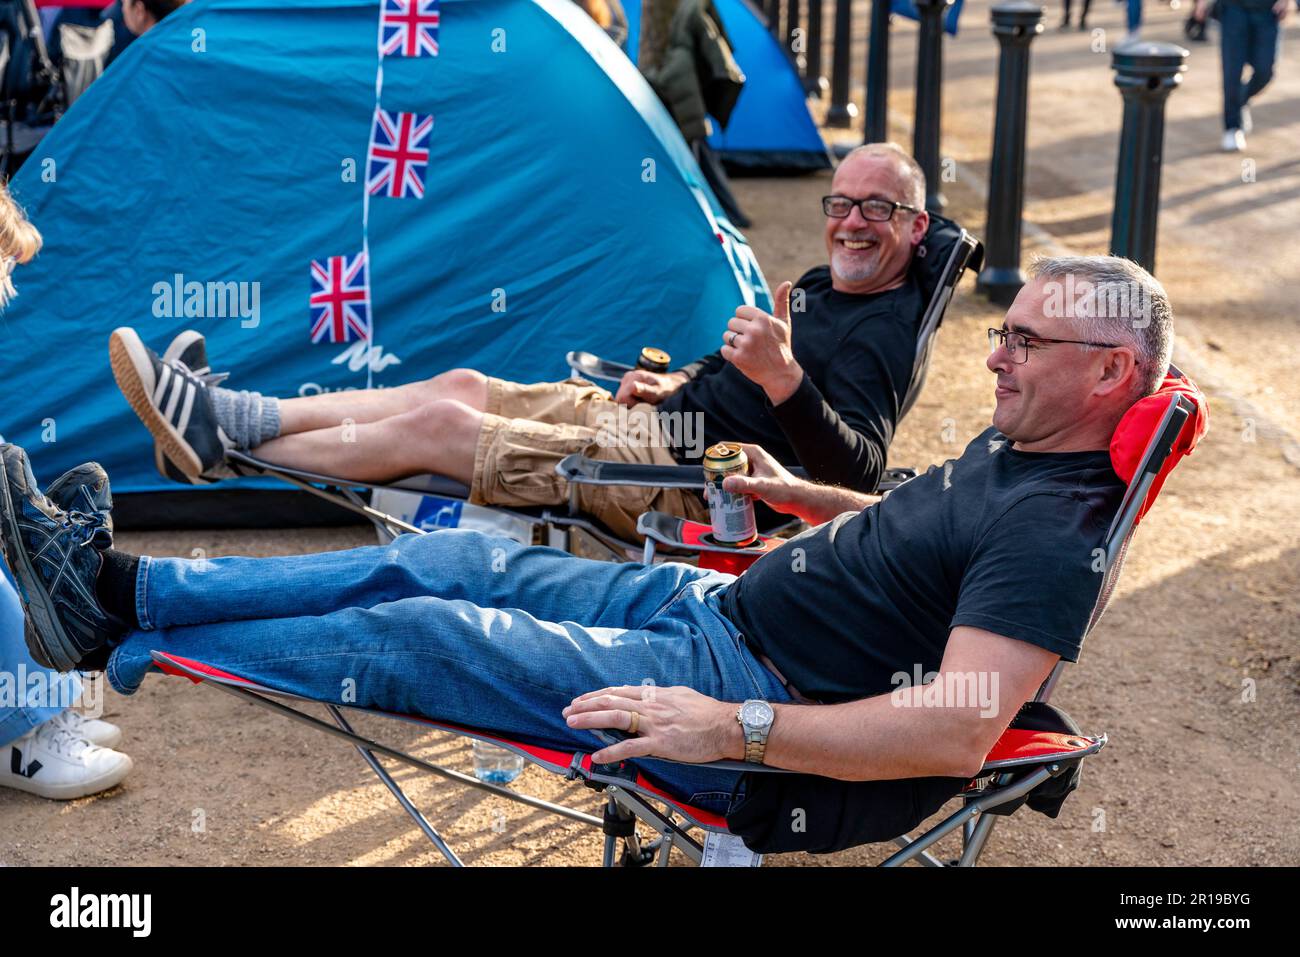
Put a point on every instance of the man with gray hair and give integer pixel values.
(819, 382)
(983, 566)
(1107, 297)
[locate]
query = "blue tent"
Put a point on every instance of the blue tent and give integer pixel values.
(770, 127)
(216, 178)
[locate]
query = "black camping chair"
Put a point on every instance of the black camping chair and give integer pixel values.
(942, 258)
(940, 261)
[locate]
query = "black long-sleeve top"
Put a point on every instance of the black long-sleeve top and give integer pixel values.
(857, 354)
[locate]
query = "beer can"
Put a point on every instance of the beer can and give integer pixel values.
(731, 515)
(653, 360)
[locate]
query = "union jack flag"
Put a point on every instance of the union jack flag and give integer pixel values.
(340, 299)
(399, 153)
(409, 28)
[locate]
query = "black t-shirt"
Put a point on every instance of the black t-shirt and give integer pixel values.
(997, 539)
(857, 354)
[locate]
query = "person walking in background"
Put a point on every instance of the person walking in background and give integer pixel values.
(609, 16)
(1249, 32)
(141, 16)
(685, 55)
(1133, 19)
(1083, 15)
(1196, 27)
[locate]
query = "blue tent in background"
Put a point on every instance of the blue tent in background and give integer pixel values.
(216, 175)
(770, 127)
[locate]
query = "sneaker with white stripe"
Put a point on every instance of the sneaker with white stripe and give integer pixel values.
(191, 348)
(174, 404)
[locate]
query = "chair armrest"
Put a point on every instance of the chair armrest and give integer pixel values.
(1018, 747)
(439, 485)
(580, 470)
(892, 478)
(686, 535)
(591, 366)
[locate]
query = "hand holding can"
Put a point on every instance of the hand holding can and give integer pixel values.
(730, 513)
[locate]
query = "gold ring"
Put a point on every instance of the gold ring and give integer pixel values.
(636, 722)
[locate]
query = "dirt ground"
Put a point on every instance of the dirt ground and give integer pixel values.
(1193, 673)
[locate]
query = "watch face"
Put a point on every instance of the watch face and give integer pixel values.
(756, 714)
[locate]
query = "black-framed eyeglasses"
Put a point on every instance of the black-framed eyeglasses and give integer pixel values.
(1017, 343)
(872, 210)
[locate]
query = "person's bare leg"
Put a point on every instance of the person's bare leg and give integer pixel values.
(333, 409)
(439, 436)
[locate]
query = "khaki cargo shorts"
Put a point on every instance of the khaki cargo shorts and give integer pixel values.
(527, 429)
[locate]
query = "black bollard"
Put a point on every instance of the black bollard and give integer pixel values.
(773, 10)
(876, 125)
(841, 112)
(1015, 24)
(813, 82)
(1146, 73)
(792, 26)
(929, 97)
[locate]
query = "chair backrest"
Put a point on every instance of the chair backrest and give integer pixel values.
(1151, 438)
(945, 253)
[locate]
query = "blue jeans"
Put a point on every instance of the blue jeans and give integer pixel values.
(456, 626)
(1133, 17)
(21, 678)
(1247, 37)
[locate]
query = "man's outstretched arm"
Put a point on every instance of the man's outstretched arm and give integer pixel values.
(945, 728)
(769, 480)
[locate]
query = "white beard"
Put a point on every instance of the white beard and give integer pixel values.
(851, 268)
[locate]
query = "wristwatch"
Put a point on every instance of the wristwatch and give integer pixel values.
(755, 717)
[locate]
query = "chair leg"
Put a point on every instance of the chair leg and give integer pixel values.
(620, 828)
(974, 838)
(429, 830)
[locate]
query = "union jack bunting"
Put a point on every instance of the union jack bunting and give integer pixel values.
(409, 28)
(340, 299)
(399, 154)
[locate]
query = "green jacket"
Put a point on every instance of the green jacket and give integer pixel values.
(690, 64)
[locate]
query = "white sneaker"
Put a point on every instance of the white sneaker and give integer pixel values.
(1247, 121)
(53, 762)
(1133, 36)
(1234, 141)
(92, 729)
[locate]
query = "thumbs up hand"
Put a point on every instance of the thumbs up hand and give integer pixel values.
(759, 344)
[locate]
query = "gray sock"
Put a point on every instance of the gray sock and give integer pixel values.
(249, 418)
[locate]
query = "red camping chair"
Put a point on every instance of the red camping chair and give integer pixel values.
(1150, 440)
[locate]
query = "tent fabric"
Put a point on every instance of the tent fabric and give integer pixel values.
(770, 127)
(225, 152)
